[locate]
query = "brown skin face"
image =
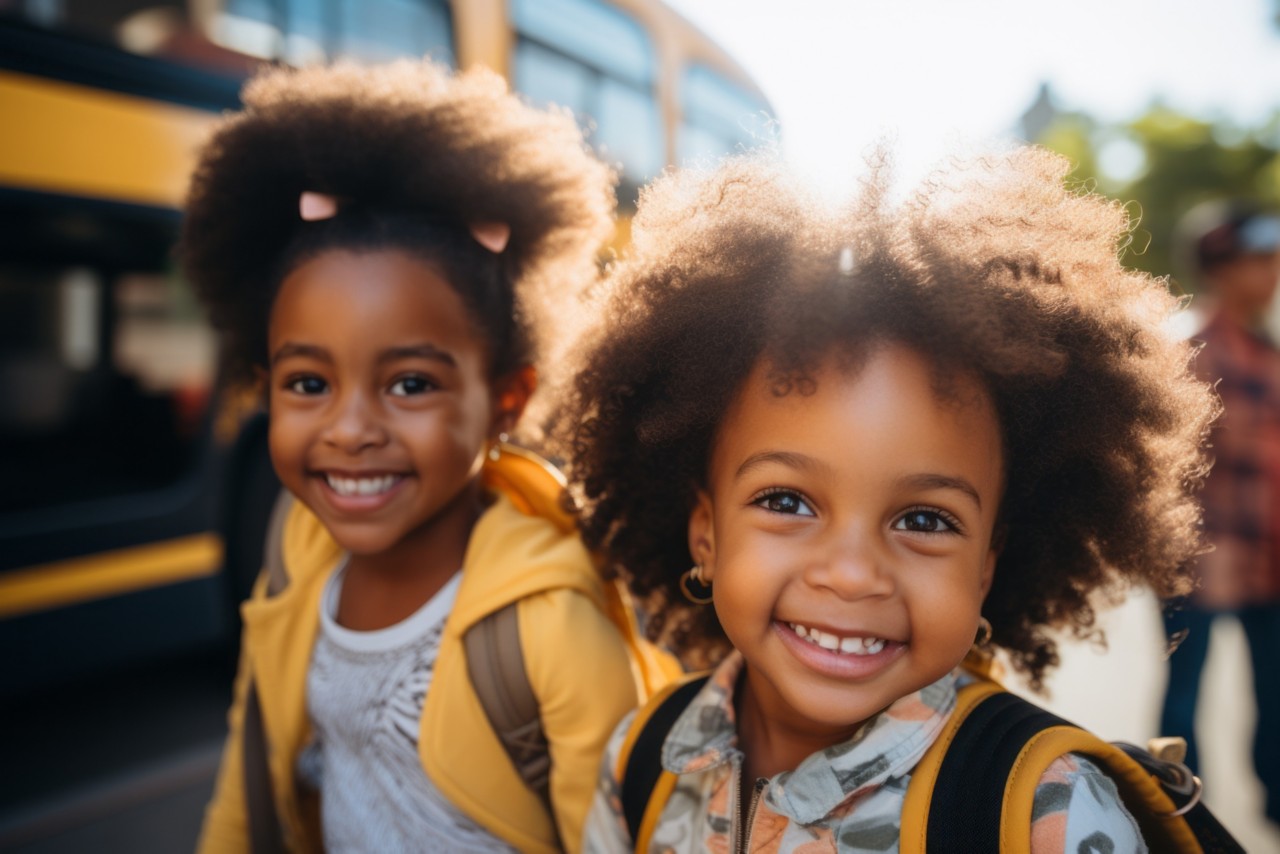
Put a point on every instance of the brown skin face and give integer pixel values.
(860, 517)
(381, 411)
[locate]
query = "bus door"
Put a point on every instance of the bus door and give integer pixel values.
(110, 539)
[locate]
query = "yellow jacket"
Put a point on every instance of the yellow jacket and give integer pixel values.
(583, 656)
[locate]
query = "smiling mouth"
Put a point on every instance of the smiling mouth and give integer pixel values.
(856, 645)
(349, 487)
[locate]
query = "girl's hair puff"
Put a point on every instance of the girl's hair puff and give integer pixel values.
(414, 154)
(992, 267)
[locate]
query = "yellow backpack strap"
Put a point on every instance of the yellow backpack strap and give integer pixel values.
(652, 668)
(535, 486)
(495, 660)
(645, 785)
(1147, 800)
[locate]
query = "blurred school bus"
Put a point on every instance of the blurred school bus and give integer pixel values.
(135, 488)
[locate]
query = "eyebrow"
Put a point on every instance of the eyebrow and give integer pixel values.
(289, 350)
(391, 354)
(418, 351)
(806, 463)
(786, 458)
(942, 481)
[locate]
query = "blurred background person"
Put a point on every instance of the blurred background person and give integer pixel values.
(1235, 247)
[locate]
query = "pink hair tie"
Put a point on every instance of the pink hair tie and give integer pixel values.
(313, 206)
(316, 206)
(491, 235)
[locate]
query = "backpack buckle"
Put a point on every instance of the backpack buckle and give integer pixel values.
(1164, 762)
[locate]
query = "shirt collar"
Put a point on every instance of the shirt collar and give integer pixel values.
(887, 746)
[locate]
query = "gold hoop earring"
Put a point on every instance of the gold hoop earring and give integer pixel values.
(983, 636)
(694, 588)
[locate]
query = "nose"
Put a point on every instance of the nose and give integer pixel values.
(354, 424)
(852, 565)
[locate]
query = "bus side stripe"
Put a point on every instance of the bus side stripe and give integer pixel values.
(69, 582)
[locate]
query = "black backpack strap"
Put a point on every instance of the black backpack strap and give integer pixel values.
(495, 663)
(641, 757)
(964, 812)
(265, 836)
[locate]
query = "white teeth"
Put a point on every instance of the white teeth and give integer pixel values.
(834, 643)
(852, 645)
(347, 486)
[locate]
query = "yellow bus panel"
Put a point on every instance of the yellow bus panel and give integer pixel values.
(74, 140)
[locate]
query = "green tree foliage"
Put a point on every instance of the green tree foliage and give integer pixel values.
(1162, 164)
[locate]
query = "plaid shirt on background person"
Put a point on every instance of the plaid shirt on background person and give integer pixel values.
(1241, 496)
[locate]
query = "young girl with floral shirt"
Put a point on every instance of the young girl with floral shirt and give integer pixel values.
(879, 431)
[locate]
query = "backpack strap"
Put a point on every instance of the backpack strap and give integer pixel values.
(265, 836)
(495, 663)
(495, 660)
(1184, 789)
(975, 788)
(921, 791)
(645, 785)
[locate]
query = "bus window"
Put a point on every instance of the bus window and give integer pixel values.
(252, 27)
(306, 25)
(164, 344)
(48, 320)
(717, 116)
(380, 30)
(306, 31)
(600, 63)
(105, 365)
(103, 20)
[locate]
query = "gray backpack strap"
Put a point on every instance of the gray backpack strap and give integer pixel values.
(495, 663)
(265, 836)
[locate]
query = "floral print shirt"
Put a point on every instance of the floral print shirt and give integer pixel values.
(847, 798)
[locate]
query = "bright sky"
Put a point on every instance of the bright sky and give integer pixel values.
(930, 73)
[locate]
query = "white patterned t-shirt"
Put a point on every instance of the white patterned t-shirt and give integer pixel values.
(365, 692)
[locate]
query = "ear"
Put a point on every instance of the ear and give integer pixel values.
(989, 571)
(702, 536)
(259, 387)
(511, 395)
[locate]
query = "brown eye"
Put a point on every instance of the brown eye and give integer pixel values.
(308, 385)
(410, 385)
(786, 502)
(925, 522)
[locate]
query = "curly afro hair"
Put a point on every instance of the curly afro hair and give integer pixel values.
(992, 268)
(414, 154)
